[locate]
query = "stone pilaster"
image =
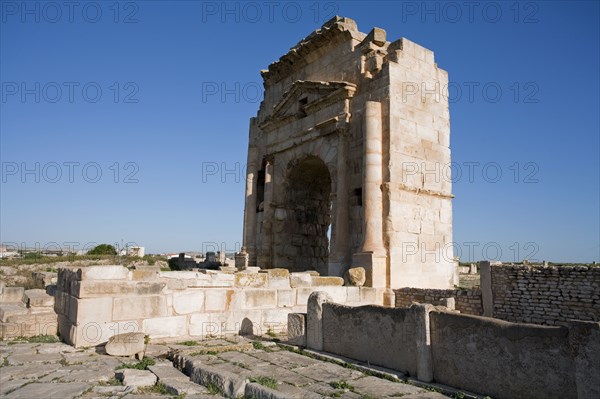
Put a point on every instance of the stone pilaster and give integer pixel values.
(338, 260)
(372, 255)
(266, 256)
(250, 220)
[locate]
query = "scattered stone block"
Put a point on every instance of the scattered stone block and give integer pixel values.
(301, 279)
(249, 279)
(318, 281)
(37, 298)
(136, 378)
(12, 294)
(296, 329)
(356, 277)
(105, 272)
(128, 344)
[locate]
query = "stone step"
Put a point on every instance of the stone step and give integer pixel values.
(12, 309)
(37, 298)
(166, 372)
(11, 294)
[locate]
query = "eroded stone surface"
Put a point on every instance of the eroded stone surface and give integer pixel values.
(127, 344)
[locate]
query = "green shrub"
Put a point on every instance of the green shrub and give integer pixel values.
(103, 249)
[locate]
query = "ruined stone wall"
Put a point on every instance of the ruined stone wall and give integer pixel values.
(97, 302)
(483, 355)
(510, 360)
(466, 301)
(420, 194)
(365, 334)
(551, 295)
(545, 295)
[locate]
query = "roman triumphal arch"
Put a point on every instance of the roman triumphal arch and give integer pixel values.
(345, 161)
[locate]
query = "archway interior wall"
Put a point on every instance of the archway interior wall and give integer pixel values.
(304, 205)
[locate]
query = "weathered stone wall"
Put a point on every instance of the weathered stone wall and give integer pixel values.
(346, 331)
(372, 112)
(502, 359)
(473, 353)
(546, 295)
(97, 302)
(26, 313)
(551, 295)
(466, 301)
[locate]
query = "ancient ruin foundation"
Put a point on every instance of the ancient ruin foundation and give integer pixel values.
(342, 159)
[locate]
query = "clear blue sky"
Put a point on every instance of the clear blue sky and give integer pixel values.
(161, 68)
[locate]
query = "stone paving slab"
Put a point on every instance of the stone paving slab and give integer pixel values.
(329, 372)
(286, 359)
(381, 388)
(15, 360)
(8, 386)
(58, 371)
(50, 390)
(282, 374)
(31, 371)
(166, 371)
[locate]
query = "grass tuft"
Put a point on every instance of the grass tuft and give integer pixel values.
(38, 339)
(141, 365)
(265, 381)
(341, 385)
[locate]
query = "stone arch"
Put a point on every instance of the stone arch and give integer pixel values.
(303, 243)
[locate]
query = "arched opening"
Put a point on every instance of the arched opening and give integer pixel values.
(308, 210)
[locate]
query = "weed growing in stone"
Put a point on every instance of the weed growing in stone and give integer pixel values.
(214, 389)
(341, 385)
(112, 382)
(199, 353)
(258, 345)
(159, 388)
(188, 343)
(38, 339)
(265, 381)
(141, 365)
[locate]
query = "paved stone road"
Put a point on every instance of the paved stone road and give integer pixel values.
(56, 370)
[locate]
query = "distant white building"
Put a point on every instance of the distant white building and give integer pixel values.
(136, 251)
(6, 253)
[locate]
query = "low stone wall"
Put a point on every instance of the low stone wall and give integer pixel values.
(548, 295)
(26, 313)
(501, 359)
(545, 294)
(96, 302)
(473, 353)
(466, 301)
(346, 331)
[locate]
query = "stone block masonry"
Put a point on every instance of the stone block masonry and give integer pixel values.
(466, 301)
(26, 313)
(97, 302)
(546, 295)
(345, 141)
(483, 355)
(550, 295)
